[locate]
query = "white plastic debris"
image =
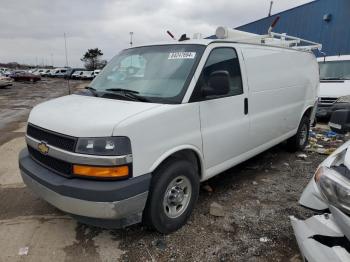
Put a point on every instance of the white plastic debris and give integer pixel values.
(264, 239)
(302, 156)
(23, 251)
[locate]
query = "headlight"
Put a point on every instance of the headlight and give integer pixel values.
(104, 146)
(343, 99)
(334, 187)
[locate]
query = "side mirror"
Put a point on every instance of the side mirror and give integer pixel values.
(218, 84)
(340, 121)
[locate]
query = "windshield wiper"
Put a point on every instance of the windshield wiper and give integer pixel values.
(92, 90)
(131, 94)
(122, 90)
(333, 78)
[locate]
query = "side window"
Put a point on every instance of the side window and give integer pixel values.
(222, 59)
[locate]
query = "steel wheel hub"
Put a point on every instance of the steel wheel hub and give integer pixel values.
(177, 196)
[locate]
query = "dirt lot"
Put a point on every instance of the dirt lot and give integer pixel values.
(258, 197)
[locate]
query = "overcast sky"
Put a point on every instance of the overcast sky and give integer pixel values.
(32, 30)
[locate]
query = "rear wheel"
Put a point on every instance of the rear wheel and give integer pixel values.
(173, 194)
(300, 140)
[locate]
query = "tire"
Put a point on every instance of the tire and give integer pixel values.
(300, 140)
(171, 183)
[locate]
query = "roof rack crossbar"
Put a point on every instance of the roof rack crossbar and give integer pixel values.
(272, 38)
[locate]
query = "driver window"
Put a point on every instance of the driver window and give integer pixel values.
(223, 58)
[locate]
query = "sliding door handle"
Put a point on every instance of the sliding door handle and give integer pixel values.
(246, 106)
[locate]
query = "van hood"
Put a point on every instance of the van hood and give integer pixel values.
(334, 88)
(85, 116)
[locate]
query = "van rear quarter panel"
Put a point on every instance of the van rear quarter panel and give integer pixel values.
(282, 83)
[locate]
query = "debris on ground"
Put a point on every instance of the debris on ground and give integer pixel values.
(324, 142)
(208, 188)
(217, 210)
(263, 239)
(302, 156)
(296, 258)
(23, 251)
(159, 243)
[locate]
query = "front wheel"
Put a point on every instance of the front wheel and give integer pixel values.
(300, 140)
(173, 194)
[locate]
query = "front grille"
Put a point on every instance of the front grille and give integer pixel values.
(56, 165)
(54, 139)
(327, 101)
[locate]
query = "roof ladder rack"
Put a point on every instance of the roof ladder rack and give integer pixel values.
(271, 39)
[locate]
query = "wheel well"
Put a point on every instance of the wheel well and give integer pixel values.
(308, 112)
(186, 154)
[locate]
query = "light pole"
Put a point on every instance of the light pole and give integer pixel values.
(270, 10)
(65, 48)
(131, 34)
(51, 59)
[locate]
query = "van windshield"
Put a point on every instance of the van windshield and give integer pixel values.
(159, 74)
(335, 70)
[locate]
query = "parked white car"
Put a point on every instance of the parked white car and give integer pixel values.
(59, 72)
(77, 74)
(335, 84)
(162, 118)
(46, 72)
(87, 75)
(96, 72)
(39, 71)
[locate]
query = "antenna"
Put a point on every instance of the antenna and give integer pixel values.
(271, 4)
(171, 35)
(273, 25)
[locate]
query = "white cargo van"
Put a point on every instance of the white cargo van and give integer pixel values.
(334, 91)
(161, 118)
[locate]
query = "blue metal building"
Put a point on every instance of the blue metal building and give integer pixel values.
(323, 21)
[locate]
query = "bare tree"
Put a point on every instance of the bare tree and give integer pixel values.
(92, 59)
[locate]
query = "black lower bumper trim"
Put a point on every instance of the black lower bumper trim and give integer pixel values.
(90, 190)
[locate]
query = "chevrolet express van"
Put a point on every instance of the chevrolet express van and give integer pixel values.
(161, 118)
(334, 91)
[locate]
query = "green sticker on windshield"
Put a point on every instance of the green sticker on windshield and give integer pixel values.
(182, 55)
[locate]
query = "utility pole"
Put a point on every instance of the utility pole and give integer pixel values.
(51, 59)
(270, 10)
(65, 48)
(131, 34)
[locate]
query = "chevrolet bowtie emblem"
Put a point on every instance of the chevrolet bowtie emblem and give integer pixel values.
(43, 148)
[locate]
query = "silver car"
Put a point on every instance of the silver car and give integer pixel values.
(326, 237)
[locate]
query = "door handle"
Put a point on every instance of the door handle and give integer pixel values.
(246, 106)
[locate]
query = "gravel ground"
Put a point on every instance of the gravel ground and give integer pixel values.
(257, 197)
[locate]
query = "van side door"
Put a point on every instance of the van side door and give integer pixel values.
(224, 118)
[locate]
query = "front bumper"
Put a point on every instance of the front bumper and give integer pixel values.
(326, 111)
(323, 237)
(99, 200)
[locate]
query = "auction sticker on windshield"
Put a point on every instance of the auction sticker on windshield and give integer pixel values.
(182, 55)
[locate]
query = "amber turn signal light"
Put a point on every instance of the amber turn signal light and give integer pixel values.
(101, 172)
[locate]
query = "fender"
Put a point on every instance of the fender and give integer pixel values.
(306, 109)
(177, 149)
